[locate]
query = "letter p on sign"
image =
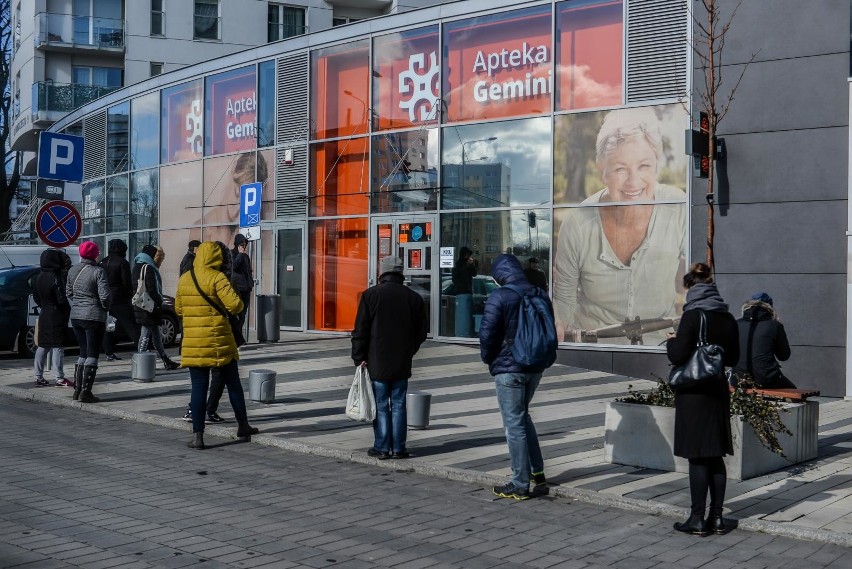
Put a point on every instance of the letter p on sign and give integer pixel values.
(61, 153)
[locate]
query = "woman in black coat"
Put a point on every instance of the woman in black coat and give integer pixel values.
(54, 312)
(702, 414)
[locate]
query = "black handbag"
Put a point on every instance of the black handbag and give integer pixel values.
(236, 329)
(704, 365)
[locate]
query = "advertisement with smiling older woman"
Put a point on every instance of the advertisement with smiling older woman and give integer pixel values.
(620, 245)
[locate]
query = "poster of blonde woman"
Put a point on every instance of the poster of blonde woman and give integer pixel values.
(619, 249)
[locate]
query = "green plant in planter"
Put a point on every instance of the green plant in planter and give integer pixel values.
(764, 415)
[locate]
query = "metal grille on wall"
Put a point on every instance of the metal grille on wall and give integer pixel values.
(94, 151)
(291, 188)
(656, 49)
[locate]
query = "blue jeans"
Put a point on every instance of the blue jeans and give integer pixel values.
(514, 393)
(151, 333)
(200, 377)
(391, 422)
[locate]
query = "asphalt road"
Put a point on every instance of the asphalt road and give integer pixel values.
(85, 490)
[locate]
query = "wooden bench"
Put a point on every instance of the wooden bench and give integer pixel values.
(785, 394)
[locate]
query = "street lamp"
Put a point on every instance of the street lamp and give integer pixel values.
(360, 100)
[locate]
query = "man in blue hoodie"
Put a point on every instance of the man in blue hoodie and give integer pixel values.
(515, 384)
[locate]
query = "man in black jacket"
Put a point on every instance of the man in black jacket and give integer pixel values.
(389, 328)
(189, 257)
(117, 271)
(763, 342)
(242, 277)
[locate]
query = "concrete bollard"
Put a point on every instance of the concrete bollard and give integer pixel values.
(262, 385)
(418, 403)
(143, 367)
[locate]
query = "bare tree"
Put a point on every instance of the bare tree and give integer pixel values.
(10, 175)
(708, 43)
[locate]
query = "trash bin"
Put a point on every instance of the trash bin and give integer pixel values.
(262, 385)
(268, 329)
(418, 403)
(143, 367)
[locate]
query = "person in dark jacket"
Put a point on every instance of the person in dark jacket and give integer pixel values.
(389, 327)
(54, 312)
(702, 414)
(120, 292)
(464, 270)
(150, 321)
(763, 342)
(88, 292)
(515, 384)
(241, 273)
(535, 276)
(189, 257)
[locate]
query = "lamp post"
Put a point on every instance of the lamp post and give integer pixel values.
(363, 104)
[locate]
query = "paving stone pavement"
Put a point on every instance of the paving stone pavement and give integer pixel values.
(95, 491)
(465, 438)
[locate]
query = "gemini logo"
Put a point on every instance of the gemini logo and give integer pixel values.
(420, 83)
(194, 125)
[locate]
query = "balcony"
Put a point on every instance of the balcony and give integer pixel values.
(65, 32)
(62, 98)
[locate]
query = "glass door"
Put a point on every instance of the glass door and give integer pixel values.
(291, 276)
(412, 238)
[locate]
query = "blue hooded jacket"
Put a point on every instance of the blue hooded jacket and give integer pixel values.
(500, 320)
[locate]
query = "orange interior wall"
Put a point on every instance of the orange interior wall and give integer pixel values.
(337, 272)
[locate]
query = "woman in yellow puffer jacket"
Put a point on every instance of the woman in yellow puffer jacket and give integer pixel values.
(207, 338)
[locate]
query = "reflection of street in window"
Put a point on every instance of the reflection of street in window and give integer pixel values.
(619, 258)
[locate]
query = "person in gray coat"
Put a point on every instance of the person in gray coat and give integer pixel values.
(88, 291)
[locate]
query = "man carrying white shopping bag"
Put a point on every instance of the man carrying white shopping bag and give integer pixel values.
(389, 328)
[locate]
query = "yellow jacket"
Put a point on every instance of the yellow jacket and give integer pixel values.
(207, 337)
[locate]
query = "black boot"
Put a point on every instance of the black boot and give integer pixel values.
(693, 525)
(715, 522)
(169, 364)
(86, 396)
(197, 441)
(245, 431)
(78, 381)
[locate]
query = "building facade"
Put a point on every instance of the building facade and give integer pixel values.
(548, 129)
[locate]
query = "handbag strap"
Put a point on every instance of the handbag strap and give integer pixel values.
(140, 286)
(74, 284)
(702, 329)
(218, 308)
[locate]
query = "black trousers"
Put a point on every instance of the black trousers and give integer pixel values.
(123, 314)
(707, 475)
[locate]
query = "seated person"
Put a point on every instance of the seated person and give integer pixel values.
(763, 342)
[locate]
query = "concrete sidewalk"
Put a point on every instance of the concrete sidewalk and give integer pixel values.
(465, 439)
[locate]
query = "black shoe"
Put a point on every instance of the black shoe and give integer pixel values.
(245, 431)
(187, 416)
(197, 441)
(170, 364)
(511, 491)
(538, 479)
(716, 524)
(375, 453)
(112, 357)
(694, 525)
(401, 455)
(213, 418)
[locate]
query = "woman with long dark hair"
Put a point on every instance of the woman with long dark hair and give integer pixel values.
(703, 413)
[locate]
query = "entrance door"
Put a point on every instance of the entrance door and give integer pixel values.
(412, 238)
(291, 276)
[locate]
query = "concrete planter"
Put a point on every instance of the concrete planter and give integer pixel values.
(643, 435)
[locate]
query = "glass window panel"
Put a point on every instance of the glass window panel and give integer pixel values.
(496, 164)
(337, 272)
(523, 233)
(266, 162)
(618, 271)
(117, 204)
(266, 104)
(118, 127)
(144, 199)
(624, 155)
(180, 195)
(340, 90)
(404, 171)
(94, 208)
(230, 110)
(340, 183)
(182, 119)
(406, 78)
(174, 243)
(589, 45)
(223, 177)
(499, 65)
(137, 241)
(145, 131)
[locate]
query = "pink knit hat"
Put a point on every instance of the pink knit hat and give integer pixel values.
(89, 250)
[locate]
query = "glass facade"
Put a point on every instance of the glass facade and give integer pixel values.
(506, 132)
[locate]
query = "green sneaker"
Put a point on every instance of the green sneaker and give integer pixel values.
(510, 491)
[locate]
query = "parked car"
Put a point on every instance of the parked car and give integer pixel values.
(18, 312)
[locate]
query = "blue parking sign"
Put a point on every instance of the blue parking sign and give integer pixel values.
(250, 202)
(60, 157)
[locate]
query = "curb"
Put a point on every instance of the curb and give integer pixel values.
(438, 471)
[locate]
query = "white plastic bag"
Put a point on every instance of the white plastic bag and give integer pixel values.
(361, 404)
(110, 323)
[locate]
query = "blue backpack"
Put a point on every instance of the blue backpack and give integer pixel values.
(535, 339)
